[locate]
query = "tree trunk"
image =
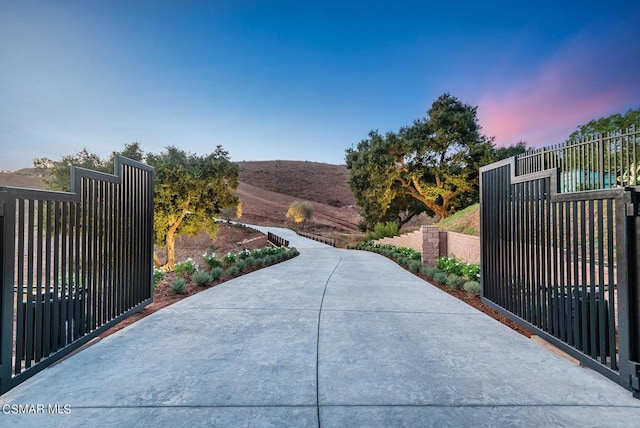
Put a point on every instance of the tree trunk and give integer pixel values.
(171, 250)
(156, 260)
(170, 239)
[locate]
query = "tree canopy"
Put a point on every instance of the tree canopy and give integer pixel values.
(379, 196)
(60, 177)
(189, 190)
(433, 162)
(615, 122)
(430, 166)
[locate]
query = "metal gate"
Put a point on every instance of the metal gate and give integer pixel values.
(563, 261)
(72, 264)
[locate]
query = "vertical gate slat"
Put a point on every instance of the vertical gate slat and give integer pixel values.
(29, 313)
(602, 306)
(57, 246)
(593, 327)
(583, 296)
(20, 308)
(48, 299)
(574, 316)
(612, 283)
(39, 301)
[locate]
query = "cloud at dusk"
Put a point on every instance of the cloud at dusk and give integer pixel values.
(304, 81)
(582, 80)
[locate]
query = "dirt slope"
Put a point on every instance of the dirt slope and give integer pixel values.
(260, 206)
(267, 188)
(311, 181)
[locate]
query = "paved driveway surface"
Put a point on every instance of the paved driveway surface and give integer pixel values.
(332, 338)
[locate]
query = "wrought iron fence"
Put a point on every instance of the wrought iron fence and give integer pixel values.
(277, 240)
(318, 238)
(601, 161)
(565, 265)
(72, 264)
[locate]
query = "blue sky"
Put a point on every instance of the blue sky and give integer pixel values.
(302, 80)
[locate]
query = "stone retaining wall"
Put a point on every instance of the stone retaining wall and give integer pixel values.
(432, 244)
(411, 240)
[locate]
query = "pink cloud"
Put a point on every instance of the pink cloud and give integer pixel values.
(580, 82)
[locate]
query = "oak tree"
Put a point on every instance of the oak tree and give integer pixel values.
(189, 192)
(434, 161)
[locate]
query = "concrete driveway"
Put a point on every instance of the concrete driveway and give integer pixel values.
(332, 338)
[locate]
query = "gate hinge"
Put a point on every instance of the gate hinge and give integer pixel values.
(633, 209)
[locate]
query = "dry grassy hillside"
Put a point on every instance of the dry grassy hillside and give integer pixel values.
(312, 181)
(32, 178)
(267, 188)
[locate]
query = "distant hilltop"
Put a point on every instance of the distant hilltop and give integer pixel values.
(266, 190)
(32, 178)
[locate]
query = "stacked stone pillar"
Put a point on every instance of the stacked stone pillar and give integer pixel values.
(430, 245)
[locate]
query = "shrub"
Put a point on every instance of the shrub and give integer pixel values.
(440, 278)
(211, 260)
(241, 264)
(250, 261)
(430, 271)
(201, 278)
(185, 268)
(472, 287)
(292, 252)
(471, 271)
(450, 265)
(158, 275)
(233, 271)
(260, 253)
(454, 282)
(409, 253)
(229, 259)
(414, 265)
(300, 211)
(383, 230)
(178, 286)
(244, 254)
(215, 273)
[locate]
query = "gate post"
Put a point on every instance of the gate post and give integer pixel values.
(633, 308)
(7, 251)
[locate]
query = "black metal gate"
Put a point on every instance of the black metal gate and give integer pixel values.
(563, 261)
(72, 264)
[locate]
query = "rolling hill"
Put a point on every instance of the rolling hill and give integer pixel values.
(266, 190)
